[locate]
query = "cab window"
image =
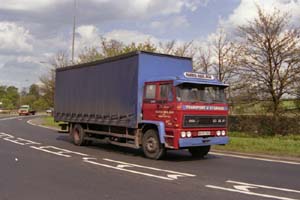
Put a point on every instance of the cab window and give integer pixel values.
(150, 91)
(166, 92)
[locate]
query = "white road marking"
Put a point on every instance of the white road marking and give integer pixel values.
(171, 175)
(2, 135)
(19, 141)
(88, 160)
(174, 176)
(253, 158)
(9, 118)
(58, 151)
(249, 193)
(263, 186)
(51, 128)
(122, 166)
(151, 168)
(244, 187)
(27, 142)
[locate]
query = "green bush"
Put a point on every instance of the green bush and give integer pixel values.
(265, 125)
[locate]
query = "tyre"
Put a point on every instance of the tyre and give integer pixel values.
(199, 152)
(152, 147)
(77, 135)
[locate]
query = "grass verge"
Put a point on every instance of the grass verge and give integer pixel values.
(277, 145)
(49, 121)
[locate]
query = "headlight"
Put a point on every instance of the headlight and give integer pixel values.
(218, 133)
(183, 134)
(223, 133)
(189, 134)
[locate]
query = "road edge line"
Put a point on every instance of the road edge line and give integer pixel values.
(47, 127)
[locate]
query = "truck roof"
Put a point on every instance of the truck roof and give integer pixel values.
(119, 57)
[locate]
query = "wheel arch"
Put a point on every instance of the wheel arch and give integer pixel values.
(145, 125)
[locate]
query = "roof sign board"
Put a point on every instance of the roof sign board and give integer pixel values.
(198, 75)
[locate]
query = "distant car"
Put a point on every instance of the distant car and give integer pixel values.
(49, 111)
(26, 110)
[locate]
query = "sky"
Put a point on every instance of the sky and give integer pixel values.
(33, 31)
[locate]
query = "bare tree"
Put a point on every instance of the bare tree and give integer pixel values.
(203, 60)
(271, 59)
(89, 54)
(225, 55)
(167, 47)
(48, 80)
(186, 50)
(111, 48)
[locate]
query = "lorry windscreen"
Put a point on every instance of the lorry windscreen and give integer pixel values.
(200, 93)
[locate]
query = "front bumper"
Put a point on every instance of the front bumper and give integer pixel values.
(194, 142)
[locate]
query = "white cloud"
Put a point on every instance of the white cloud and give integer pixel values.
(133, 6)
(128, 36)
(170, 24)
(86, 36)
(14, 38)
(247, 11)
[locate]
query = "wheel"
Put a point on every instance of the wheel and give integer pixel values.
(199, 152)
(77, 135)
(151, 145)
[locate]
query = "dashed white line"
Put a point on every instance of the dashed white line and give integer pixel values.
(263, 186)
(87, 160)
(58, 151)
(151, 168)
(249, 193)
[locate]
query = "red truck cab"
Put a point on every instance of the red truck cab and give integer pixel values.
(193, 109)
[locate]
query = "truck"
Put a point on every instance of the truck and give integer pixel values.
(142, 100)
(26, 110)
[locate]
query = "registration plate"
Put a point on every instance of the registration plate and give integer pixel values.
(203, 133)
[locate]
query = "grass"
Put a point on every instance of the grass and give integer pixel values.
(276, 145)
(49, 121)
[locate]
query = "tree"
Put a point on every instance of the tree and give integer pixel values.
(13, 95)
(204, 60)
(9, 97)
(146, 46)
(111, 48)
(89, 54)
(34, 90)
(220, 58)
(270, 59)
(48, 81)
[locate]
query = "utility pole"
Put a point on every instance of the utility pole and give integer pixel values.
(74, 29)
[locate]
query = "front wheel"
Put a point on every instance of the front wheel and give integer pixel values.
(152, 147)
(199, 152)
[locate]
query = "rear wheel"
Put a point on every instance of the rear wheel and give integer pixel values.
(77, 135)
(199, 152)
(151, 145)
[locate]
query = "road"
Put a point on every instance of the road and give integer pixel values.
(38, 163)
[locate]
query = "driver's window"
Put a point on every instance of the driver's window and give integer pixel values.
(150, 91)
(166, 92)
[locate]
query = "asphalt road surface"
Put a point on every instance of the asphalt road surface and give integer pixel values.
(38, 163)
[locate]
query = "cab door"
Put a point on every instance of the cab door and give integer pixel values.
(165, 103)
(150, 101)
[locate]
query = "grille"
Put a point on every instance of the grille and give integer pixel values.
(194, 121)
